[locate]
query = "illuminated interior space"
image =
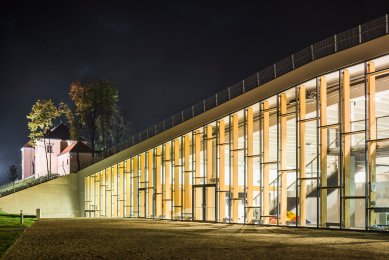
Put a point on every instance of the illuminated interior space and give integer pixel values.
(314, 153)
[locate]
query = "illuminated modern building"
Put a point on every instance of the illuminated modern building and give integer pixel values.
(304, 142)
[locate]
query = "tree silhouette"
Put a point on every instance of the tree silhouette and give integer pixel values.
(13, 173)
(95, 103)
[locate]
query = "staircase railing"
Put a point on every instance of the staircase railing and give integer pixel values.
(293, 184)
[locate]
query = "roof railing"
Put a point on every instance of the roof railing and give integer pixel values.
(341, 41)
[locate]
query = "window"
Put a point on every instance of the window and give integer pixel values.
(49, 148)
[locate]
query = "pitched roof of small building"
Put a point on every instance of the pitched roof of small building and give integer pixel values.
(27, 145)
(79, 147)
(60, 132)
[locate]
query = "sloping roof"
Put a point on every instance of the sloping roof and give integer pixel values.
(27, 145)
(77, 147)
(60, 132)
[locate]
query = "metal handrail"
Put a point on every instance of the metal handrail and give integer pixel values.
(311, 189)
(295, 182)
(23, 184)
(341, 41)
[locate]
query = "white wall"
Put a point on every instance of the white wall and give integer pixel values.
(63, 164)
(67, 163)
(40, 157)
(28, 154)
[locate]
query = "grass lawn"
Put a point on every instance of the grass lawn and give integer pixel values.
(11, 229)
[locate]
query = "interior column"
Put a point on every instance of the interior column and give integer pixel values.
(121, 191)
(303, 183)
(177, 166)
(158, 189)
(108, 192)
(167, 182)
(128, 175)
(323, 152)
(221, 167)
(198, 193)
(372, 145)
(135, 182)
(150, 183)
(250, 159)
(346, 147)
(265, 168)
(142, 183)
(210, 194)
(283, 165)
(187, 175)
(235, 169)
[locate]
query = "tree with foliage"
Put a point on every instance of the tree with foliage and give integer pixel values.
(75, 127)
(120, 127)
(73, 121)
(95, 103)
(41, 120)
(13, 173)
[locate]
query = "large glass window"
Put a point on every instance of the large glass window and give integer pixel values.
(378, 142)
(313, 155)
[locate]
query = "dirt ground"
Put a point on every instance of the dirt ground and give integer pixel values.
(145, 239)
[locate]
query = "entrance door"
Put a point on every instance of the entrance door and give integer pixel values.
(204, 202)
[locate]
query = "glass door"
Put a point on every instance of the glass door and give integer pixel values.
(204, 202)
(198, 203)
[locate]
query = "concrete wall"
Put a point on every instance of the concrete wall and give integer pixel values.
(57, 198)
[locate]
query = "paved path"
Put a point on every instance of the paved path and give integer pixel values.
(143, 239)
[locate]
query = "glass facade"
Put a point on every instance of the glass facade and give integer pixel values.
(316, 154)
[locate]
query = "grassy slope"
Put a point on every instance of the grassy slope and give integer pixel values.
(11, 229)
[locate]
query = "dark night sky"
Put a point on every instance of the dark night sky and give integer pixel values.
(163, 56)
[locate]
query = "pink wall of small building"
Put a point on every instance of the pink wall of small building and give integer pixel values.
(28, 161)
